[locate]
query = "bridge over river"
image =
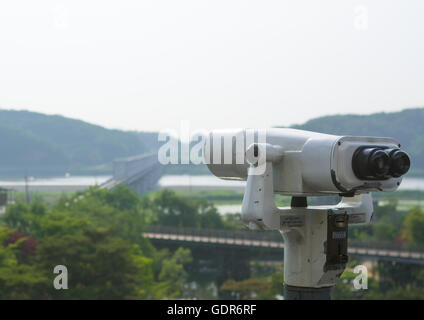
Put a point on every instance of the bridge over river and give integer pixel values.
(141, 173)
(266, 245)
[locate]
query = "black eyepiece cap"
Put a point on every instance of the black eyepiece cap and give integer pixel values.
(371, 163)
(399, 162)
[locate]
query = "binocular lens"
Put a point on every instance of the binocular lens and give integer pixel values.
(378, 163)
(400, 163)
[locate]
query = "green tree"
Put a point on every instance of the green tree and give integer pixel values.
(209, 215)
(172, 274)
(169, 209)
(413, 227)
(247, 289)
(18, 280)
(408, 292)
(16, 217)
(97, 235)
(99, 266)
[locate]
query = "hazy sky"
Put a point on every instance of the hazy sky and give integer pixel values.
(147, 64)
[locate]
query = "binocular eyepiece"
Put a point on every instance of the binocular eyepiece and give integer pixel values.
(378, 163)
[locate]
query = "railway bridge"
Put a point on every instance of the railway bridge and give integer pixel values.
(267, 245)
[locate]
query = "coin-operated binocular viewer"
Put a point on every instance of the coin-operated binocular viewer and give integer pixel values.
(300, 164)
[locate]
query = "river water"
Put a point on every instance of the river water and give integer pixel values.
(167, 181)
(211, 182)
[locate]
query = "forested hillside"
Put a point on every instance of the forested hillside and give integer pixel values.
(406, 126)
(39, 143)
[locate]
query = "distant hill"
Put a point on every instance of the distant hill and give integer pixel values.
(48, 144)
(406, 126)
(39, 144)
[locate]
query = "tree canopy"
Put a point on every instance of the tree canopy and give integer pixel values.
(97, 235)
